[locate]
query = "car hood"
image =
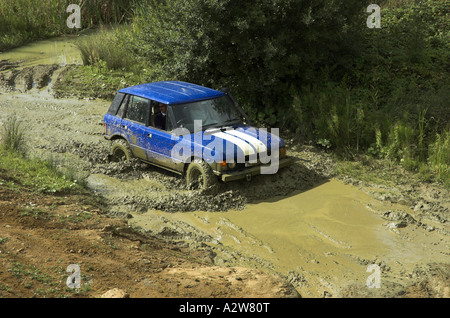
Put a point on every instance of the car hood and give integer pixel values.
(232, 142)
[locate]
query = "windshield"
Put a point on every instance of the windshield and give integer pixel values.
(214, 113)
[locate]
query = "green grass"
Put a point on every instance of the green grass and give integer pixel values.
(94, 81)
(388, 172)
(35, 174)
(396, 3)
(108, 65)
(75, 217)
(3, 240)
(5, 287)
(439, 158)
(39, 175)
(375, 171)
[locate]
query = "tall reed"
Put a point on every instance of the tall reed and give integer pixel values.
(22, 21)
(12, 135)
(439, 157)
(108, 45)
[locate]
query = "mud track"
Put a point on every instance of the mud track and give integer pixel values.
(314, 229)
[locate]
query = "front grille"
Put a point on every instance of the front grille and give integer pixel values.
(249, 161)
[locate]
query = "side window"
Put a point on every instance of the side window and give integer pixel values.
(160, 117)
(137, 109)
(123, 106)
(116, 104)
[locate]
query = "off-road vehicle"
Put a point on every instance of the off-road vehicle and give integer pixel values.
(203, 134)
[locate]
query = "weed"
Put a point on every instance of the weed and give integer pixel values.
(107, 46)
(12, 135)
(32, 272)
(76, 217)
(439, 158)
(37, 213)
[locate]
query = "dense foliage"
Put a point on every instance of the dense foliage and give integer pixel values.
(394, 101)
(259, 49)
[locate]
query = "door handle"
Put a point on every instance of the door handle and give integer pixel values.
(124, 127)
(149, 135)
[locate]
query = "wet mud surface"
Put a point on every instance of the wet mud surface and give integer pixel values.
(316, 230)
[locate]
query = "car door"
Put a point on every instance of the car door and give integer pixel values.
(135, 125)
(160, 144)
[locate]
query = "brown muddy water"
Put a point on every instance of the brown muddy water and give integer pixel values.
(321, 240)
(303, 224)
(60, 50)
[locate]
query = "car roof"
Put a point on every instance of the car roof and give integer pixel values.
(172, 92)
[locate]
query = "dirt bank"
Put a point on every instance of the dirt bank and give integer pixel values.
(305, 225)
(41, 235)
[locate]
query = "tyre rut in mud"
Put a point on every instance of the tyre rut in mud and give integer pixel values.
(27, 78)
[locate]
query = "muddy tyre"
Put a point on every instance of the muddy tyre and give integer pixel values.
(199, 176)
(120, 151)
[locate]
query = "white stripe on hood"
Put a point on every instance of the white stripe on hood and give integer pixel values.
(246, 148)
(255, 142)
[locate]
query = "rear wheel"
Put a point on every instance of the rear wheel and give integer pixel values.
(120, 150)
(199, 176)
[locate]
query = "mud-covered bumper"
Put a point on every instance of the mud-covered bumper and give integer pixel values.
(252, 171)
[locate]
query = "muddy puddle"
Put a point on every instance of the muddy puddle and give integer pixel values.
(303, 224)
(320, 240)
(36, 65)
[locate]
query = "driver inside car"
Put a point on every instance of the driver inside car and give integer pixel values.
(160, 119)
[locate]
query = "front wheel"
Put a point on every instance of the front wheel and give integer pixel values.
(199, 176)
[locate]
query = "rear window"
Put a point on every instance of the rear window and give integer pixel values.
(116, 104)
(138, 109)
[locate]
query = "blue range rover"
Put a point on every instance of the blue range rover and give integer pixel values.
(191, 130)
